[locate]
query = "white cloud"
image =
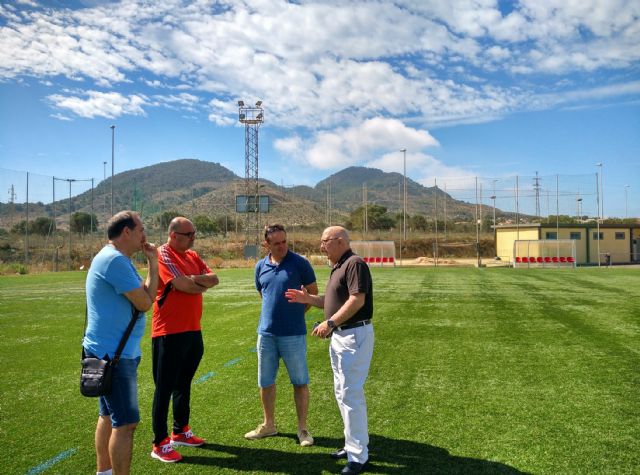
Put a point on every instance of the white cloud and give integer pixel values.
(358, 144)
(427, 61)
(220, 112)
(61, 117)
(182, 101)
(289, 146)
(100, 104)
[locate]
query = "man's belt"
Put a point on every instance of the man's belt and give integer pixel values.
(347, 326)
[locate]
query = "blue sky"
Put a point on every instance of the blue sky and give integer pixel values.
(471, 88)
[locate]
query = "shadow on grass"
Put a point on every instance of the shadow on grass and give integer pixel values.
(386, 456)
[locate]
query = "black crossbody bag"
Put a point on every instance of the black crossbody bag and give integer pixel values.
(97, 373)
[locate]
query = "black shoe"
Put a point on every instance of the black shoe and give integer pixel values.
(352, 468)
(339, 454)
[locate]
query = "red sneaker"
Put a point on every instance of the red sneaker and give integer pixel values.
(165, 453)
(187, 438)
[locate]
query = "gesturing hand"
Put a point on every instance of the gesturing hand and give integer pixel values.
(298, 296)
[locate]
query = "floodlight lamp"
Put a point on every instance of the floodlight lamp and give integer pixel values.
(242, 116)
(241, 103)
(258, 104)
(259, 116)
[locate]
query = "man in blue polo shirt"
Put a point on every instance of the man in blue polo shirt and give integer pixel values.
(282, 331)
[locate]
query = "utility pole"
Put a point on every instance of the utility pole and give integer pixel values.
(113, 142)
(328, 218)
(404, 200)
(445, 211)
(578, 203)
(26, 228)
(435, 250)
(12, 200)
(600, 164)
(477, 226)
(365, 223)
(494, 204)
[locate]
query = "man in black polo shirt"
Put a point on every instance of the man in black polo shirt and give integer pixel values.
(348, 309)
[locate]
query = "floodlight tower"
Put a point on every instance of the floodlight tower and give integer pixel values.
(252, 117)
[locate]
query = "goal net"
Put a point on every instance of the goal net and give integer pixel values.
(376, 252)
(544, 253)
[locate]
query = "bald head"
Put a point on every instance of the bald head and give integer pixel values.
(182, 234)
(338, 231)
(177, 223)
(334, 242)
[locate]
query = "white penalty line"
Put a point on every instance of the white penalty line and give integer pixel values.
(51, 462)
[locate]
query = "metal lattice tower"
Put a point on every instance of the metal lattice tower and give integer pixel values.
(537, 188)
(252, 117)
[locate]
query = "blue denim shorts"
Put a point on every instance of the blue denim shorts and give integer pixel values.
(292, 350)
(122, 404)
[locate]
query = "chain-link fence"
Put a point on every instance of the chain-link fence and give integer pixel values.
(57, 223)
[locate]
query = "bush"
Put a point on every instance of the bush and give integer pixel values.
(41, 225)
(205, 225)
(165, 218)
(16, 269)
(83, 222)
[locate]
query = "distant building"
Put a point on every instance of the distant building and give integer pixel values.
(621, 242)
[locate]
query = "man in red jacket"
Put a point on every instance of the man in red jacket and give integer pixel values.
(176, 337)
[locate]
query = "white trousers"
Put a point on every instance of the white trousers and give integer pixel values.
(350, 353)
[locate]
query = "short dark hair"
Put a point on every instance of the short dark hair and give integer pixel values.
(119, 221)
(273, 228)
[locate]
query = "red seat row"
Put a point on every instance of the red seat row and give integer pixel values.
(545, 260)
(379, 260)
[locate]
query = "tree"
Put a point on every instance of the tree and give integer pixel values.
(82, 222)
(562, 218)
(19, 227)
(165, 218)
(418, 222)
(377, 217)
(225, 223)
(205, 225)
(41, 225)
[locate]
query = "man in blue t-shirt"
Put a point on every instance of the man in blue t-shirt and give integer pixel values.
(282, 331)
(113, 289)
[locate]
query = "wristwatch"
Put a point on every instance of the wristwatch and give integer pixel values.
(331, 324)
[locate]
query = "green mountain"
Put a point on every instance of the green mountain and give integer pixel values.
(194, 187)
(347, 189)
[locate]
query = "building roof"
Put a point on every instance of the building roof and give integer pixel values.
(570, 225)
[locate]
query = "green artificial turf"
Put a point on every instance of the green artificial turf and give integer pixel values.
(474, 371)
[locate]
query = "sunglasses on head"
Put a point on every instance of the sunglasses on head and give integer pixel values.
(273, 229)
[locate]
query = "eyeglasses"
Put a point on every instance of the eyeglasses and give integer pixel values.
(190, 234)
(325, 241)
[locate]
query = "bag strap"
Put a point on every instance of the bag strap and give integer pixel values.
(135, 313)
(123, 341)
(165, 294)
